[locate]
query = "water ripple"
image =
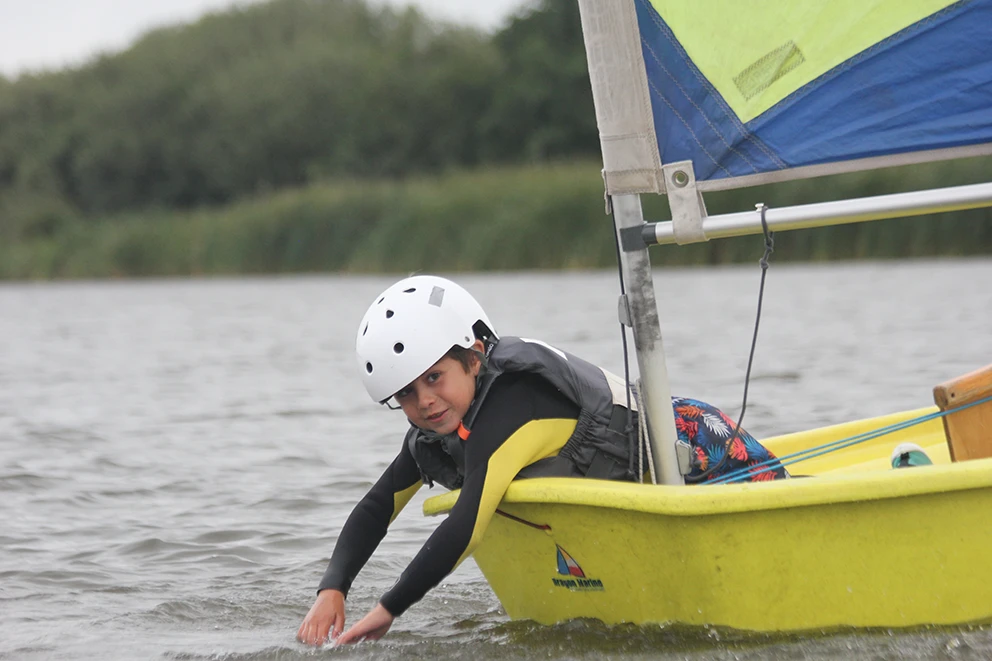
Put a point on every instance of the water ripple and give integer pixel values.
(25, 482)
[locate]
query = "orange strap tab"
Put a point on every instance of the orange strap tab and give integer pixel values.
(463, 431)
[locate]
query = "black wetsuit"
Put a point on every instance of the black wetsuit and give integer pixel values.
(522, 420)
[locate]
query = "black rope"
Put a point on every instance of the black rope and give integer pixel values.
(769, 249)
(538, 526)
(629, 429)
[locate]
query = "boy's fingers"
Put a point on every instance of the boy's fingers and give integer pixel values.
(311, 635)
(348, 637)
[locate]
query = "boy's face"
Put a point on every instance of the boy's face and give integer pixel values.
(439, 398)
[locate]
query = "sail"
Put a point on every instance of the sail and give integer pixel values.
(754, 91)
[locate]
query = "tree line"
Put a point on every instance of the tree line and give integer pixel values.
(285, 93)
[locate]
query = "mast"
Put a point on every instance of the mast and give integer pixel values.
(642, 313)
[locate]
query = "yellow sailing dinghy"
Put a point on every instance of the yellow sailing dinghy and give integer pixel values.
(714, 95)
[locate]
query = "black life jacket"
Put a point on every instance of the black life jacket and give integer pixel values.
(600, 446)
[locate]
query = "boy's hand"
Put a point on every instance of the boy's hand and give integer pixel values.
(326, 612)
(371, 627)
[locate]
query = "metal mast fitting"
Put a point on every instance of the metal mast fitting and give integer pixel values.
(686, 202)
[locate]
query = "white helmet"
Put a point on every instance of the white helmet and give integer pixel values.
(410, 326)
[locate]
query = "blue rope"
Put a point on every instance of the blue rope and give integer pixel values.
(820, 450)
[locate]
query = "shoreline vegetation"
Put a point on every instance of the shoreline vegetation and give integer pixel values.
(293, 136)
(534, 217)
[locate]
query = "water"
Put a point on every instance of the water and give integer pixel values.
(176, 457)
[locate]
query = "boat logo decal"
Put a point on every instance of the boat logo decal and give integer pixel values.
(576, 579)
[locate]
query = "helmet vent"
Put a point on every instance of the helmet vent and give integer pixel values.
(365, 330)
(410, 290)
(389, 314)
(398, 347)
(380, 300)
(368, 367)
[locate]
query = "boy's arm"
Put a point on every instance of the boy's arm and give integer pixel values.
(368, 522)
(522, 421)
(360, 536)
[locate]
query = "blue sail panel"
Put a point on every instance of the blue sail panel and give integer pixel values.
(928, 87)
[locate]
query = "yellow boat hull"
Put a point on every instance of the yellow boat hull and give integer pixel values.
(859, 545)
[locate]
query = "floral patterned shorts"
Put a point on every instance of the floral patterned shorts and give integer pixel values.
(707, 430)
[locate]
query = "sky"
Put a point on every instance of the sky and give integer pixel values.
(51, 34)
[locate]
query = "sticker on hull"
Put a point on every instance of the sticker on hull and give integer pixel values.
(571, 575)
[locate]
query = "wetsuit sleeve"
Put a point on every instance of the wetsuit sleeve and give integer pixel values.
(367, 524)
(524, 419)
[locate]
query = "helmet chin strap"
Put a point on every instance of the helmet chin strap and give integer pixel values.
(463, 431)
(483, 363)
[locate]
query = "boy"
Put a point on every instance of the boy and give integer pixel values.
(483, 410)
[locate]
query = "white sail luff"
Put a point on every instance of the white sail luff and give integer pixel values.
(631, 162)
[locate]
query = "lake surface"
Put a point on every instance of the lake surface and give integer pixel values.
(177, 456)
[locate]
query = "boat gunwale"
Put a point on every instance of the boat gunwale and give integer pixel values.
(717, 499)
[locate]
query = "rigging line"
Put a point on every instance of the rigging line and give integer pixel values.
(644, 448)
(763, 262)
(812, 453)
(629, 429)
(825, 448)
(538, 526)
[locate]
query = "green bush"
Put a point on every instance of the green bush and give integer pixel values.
(533, 217)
